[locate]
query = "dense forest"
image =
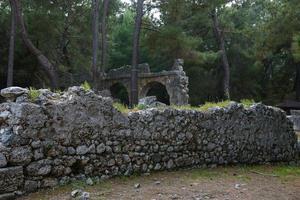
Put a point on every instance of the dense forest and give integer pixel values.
(238, 49)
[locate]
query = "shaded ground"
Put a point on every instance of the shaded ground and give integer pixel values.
(245, 183)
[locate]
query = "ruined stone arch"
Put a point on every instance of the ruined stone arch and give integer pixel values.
(156, 88)
(120, 91)
(175, 81)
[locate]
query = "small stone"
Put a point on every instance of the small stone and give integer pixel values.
(237, 186)
(89, 181)
(85, 196)
(157, 166)
(49, 182)
(3, 161)
(82, 150)
(71, 151)
(36, 144)
(20, 155)
(3, 116)
(31, 186)
(76, 193)
(170, 164)
(137, 185)
(157, 182)
(101, 148)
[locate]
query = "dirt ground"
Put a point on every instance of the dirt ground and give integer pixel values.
(223, 183)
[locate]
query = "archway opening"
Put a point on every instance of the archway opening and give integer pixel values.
(119, 93)
(159, 90)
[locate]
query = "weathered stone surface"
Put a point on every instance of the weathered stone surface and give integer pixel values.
(39, 168)
(79, 134)
(12, 93)
(82, 150)
(20, 155)
(10, 179)
(3, 161)
(8, 196)
(150, 102)
(175, 81)
(31, 186)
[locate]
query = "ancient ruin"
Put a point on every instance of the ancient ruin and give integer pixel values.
(175, 81)
(51, 139)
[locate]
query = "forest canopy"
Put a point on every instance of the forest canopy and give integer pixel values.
(249, 47)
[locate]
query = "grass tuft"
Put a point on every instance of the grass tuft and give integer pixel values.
(247, 102)
(33, 94)
(86, 86)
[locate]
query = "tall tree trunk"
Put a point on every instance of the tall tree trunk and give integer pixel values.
(104, 36)
(43, 60)
(297, 82)
(10, 68)
(95, 29)
(135, 54)
(221, 42)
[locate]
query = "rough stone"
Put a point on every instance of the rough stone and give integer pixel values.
(31, 186)
(20, 155)
(7, 196)
(89, 181)
(82, 150)
(101, 148)
(11, 179)
(85, 196)
(39, 168)
(80, 134)
(3, 161)
(12, 93)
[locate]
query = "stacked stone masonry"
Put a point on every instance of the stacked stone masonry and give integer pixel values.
(62, 137)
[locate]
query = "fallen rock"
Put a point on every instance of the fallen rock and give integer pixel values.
(85, 196)
(76, 193)
(137, 185)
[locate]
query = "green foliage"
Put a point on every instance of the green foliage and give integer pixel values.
(33, 94)
(262, 43)
(247, 102)
(204, 107)
(121, 107)
(86, 86)
(141, 107)
(124, 108)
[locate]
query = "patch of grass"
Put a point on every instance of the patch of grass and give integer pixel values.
(206, 173)
(204, 107)
(247, 102)
(208, 105)
(121, 107)
(33, 94)
(86, 86)
(286, 171)
(141, 107)
(124, 109)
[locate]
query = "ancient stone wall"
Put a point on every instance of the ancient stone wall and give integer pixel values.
(77, 134)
